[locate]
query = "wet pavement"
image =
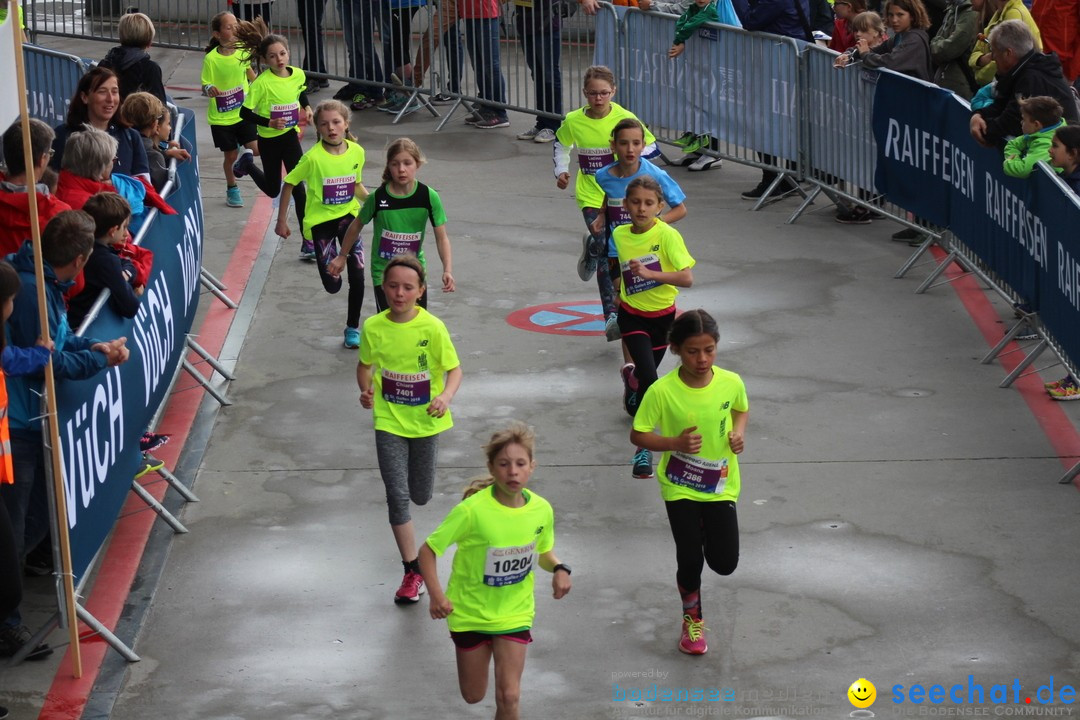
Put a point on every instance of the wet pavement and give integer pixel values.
(900, 519)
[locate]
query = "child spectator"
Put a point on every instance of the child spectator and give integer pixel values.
(14, 200)
(1065, 158)
(1040, 117)
(145, 113)
(66, 244)
(868, 27)
(908, 50)
(843, 34)
(699, 13)
(130, 61)
(108, 267)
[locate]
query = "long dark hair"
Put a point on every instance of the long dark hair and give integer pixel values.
(9, 287)
(78, 114)
(253, 39)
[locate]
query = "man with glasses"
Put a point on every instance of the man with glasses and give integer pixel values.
(1022, 71)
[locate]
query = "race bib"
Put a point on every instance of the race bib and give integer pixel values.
(635, 284)
(338, 190)
(230, 100)
(697, 473)
(616, 213)
(392, 244)
(592, 159)
(291, 113)
(406, 388)
(508, 565)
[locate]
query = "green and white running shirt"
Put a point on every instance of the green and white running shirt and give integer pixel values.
(669, 407)
(400, 224)
(331, 182)
(491, 583)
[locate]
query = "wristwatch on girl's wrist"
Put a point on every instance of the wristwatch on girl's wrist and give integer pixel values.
(561, 566)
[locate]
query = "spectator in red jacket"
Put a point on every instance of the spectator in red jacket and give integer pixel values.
(843, 35)
(1059, 25)
(14, 199)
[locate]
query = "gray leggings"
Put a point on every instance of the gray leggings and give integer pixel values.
(407, 466)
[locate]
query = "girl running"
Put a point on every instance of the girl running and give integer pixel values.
(589, 129)
(225, 80)
(653, 261)
(401, 208)
(331, 171)
(627, 142)
(499, 529)
(273, 104)
(701, 412)
(404, 354)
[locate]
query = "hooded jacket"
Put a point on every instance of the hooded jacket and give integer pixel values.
(1035, 74)
(951, 46)
(15, 215)
(135, 71)
(779, 17)
(72, 357)
(1059, 22)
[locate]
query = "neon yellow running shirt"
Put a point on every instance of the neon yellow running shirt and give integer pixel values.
(491, 583)
(669, 407)
(228, 73)
(592, 138)
(331, 183)
(660, 248)
(277, 97)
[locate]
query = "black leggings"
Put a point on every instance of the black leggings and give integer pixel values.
(703, 532)
(646, 341)
(381, 304)
(327, 237)
(275, 151)
(10, 567)
(400, 38)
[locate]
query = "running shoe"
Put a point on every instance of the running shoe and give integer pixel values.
(1067, 390)
(705, 162)
(696, 143)
(352, 338)
(360, 101)
(1057, 383)
(1027, 332)
(545, 136)
(150, 442)
(399, 102)
(529, 134)
(412, 587)
(684, 139)
(630, 386)
(442, 99)
(148, 466)
(492, 121)
(586, 264)
(474, 117)
(611, 328)
(907, 235)
(853, 216)
(233, 198)
(244, 164)
(12, 639)
(692, 641)
(643, 464)
(307, 251)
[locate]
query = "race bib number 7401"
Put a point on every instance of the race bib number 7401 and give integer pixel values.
(508, 565)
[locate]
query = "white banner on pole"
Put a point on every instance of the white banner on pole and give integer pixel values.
(9, 87)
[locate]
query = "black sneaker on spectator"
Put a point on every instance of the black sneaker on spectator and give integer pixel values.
(442, 99)
(906, 235)
(39, 562)
(12, 639)
(853, 216)
(786, 186)
(474, 117)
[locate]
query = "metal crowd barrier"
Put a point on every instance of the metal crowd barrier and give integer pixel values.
(737, 87)
(51, 79)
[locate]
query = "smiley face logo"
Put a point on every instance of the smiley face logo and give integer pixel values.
(862, 693)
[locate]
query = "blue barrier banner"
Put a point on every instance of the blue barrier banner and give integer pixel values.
(102, 419)
(709, 90)
(1023, 230)
(51, 79)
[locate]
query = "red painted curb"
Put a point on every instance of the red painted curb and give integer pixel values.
(1057, 426)
(67, 696)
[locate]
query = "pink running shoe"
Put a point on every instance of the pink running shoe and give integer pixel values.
(692, 641)
(412, 587)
